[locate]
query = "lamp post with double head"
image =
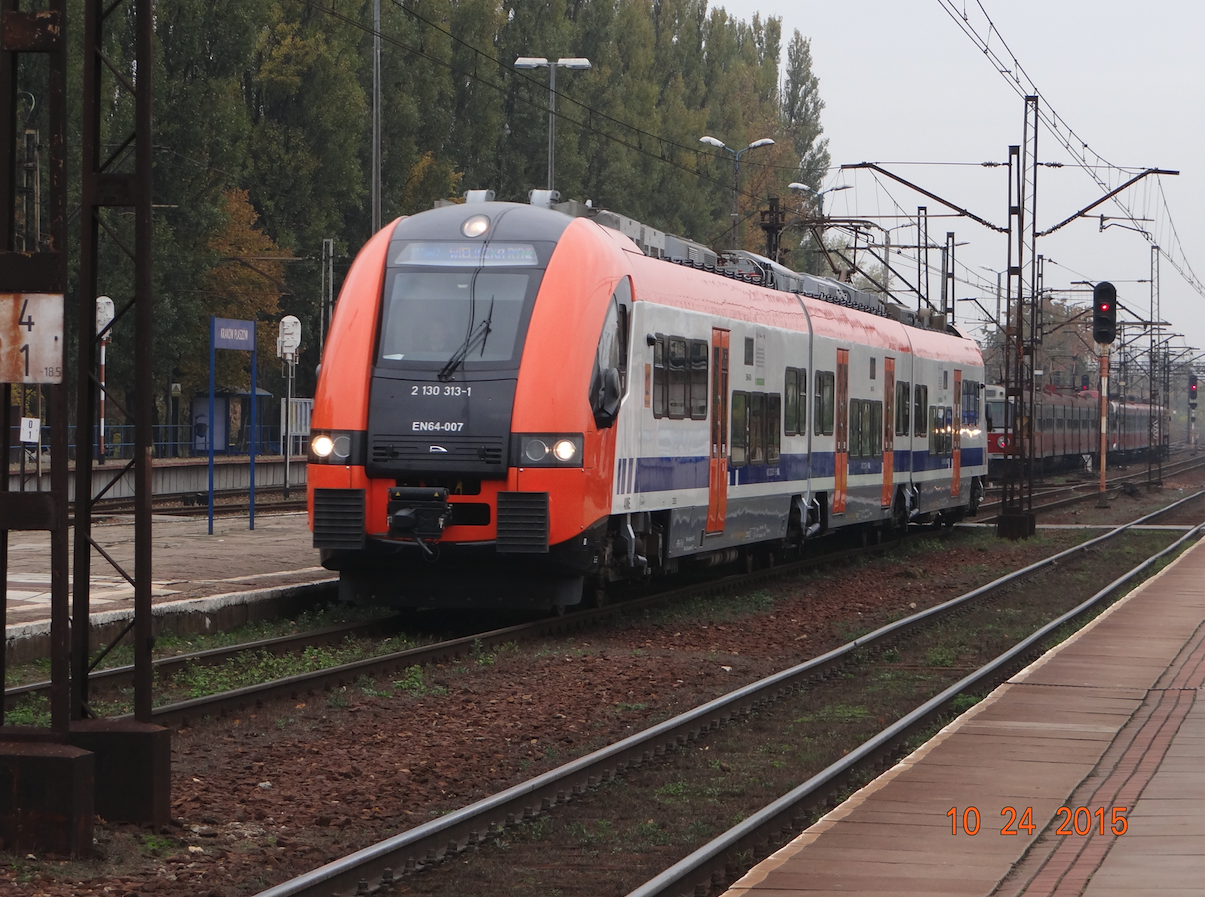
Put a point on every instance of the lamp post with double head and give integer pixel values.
(736, 175)
(576, 63)
(816, 221)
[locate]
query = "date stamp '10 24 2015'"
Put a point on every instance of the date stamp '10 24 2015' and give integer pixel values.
(1078, 821)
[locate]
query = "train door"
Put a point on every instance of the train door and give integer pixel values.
(717, 479)
(841, 460)
(888, 431)
(956, 436)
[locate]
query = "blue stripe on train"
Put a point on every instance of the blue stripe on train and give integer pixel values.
(672, 474)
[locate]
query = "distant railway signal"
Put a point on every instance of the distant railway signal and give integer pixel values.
(1104, 313)
(1192, 391)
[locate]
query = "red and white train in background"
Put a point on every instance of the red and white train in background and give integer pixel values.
(519, 404)
(1066, 431)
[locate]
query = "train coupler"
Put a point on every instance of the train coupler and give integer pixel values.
(418, 512)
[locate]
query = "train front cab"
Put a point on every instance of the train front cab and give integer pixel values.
(489, 455)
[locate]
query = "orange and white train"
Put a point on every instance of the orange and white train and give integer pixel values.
(519, 405)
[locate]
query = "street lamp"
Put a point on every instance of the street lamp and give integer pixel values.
(576, 63)
(819, 194)
(817, 225)
(736, 169)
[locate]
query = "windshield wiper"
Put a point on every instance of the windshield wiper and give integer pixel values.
(479, 335)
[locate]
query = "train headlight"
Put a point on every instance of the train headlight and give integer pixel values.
(336, 447)
(547, 449)
(565, 450)
(535, 450)
(475, 226)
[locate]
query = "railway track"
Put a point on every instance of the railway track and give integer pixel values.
(217, 705)
(424, 847)
(1052, 499)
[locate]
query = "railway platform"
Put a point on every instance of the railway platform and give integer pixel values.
(172, 476)
(1083, 774)
(209, 579)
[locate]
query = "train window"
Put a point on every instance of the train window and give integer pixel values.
(427, 315)
(872, 367)
(698, 379)
(970, 403)
(773, 431)
(676, 364)
(822, 417)
(876, 429)
(855, 428)
(920, 408)
(757, 428)
(623, 300)
(749, 351)
(659, 378)
(795, 409)
(945, 380)
(791, 409)
(739, 438)
(803, 402)
(903, 390)
(941, 430)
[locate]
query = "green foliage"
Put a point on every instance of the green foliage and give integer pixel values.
(263, 139)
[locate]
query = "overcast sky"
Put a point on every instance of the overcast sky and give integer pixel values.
(902, 83)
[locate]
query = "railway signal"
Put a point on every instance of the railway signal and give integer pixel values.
(1104, 313)
(1192, 391)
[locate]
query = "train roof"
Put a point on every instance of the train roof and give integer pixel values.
(738, 265)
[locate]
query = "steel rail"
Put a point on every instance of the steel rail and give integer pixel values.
(292, 687)
(117, 677)
(338, 676)
(460, 830)
(777, 821)
(1091, 490)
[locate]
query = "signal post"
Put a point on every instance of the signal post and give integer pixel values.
(1192, 412)
(1104, 331)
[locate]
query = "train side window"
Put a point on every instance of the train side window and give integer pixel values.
(876, 429)
(947, 439)
(749, 351)
(822, 417)
(659, 377)
(773, 430)
(757, 428)
(803, 402)
(921, 409)
(698, 379)
(935, 429)
(791, 409)
(855, 428)
(676, 363)
(739, 437)
(903, 391)
(970, 403)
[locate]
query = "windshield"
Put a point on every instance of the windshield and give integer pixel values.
(451, 306)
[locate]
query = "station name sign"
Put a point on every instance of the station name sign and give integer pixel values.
(31, 337)
(228, 334)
